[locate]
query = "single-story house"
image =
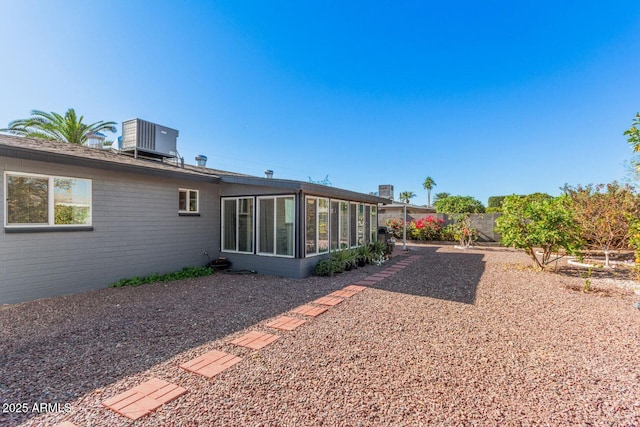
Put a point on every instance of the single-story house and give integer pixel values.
(77, 218)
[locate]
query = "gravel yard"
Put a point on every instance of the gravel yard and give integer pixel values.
(460, 337)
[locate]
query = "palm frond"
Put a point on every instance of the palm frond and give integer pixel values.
(53, 126)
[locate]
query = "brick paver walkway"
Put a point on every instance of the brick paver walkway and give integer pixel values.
(149, 396)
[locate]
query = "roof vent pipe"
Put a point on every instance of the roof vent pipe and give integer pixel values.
(268, 173)
(201, 160)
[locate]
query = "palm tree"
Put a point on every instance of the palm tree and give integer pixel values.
(428, 184)
(52, 126)
(406, 195)
(440, 196)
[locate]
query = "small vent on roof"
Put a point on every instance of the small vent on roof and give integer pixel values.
(201, 160)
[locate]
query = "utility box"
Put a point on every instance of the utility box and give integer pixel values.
(148, 139)
(385, 191)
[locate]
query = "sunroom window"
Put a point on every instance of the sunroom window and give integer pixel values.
(374, 224)
(276, 226)
(237, 224)
(317, 225)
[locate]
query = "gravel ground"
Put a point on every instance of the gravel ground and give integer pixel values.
(460, 337)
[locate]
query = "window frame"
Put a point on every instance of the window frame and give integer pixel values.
(374, 223)
(188, 192)
(251, 212)
(258, 230)
(318, 212)
(51, 203)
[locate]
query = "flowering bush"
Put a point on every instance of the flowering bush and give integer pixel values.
(465, 234)
(396, 227)
(427, 228)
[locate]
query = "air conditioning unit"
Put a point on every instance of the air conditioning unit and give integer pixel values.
(148, 139)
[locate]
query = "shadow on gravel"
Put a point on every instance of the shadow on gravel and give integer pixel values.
(443, 275)
(57, 349)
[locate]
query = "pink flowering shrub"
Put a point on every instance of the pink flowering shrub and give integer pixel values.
(428, 228)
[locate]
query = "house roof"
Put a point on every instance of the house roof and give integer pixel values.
(73, 154)
(62, 152)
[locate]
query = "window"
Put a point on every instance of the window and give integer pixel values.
(335, 225)
(188, 201)
(374, 224)
(317, 225)
(353, 225)
(276, 226)
(344, 225)
(360, 238)
(39, 200)
(237, 224)
(367, 224)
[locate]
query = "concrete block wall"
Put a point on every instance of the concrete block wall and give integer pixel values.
(484, 223)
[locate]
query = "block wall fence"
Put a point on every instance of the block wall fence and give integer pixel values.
(485, 223)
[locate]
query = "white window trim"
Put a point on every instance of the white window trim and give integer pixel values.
(360, 216)
(317, 237)
(351, 244)
(222, 228)
(275, 222)
(373, 227)
(51, 201)
(189, 191)
(346, 226)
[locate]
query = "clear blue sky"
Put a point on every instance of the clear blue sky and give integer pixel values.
(487, 98)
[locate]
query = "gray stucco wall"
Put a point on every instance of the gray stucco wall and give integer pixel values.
(136, 231)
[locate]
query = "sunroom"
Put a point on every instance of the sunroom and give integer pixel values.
(285, 227)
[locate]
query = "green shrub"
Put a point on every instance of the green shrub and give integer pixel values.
(448, 233)
(539, 221)
(325, 267)
(459, 204)
(185, 273)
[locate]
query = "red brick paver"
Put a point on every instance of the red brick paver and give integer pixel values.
(286, 323)
(255, 340)
(144, 398)
(367, 282)
(308, 310)
(343, 293)
(355, 288)
(211, 363)
(328, 300)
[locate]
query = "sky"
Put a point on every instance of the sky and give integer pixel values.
(487, 98)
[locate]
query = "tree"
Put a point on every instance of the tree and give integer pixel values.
(405, 196)
(634, 133)
(605, 214)
(428, 185)
(52, 126)
(459, 204)
(440, 196)
(538, 221)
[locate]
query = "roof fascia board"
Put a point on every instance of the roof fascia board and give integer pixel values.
(307, 188)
